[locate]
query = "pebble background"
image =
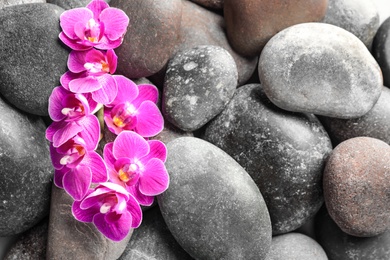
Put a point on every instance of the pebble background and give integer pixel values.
(276, 121)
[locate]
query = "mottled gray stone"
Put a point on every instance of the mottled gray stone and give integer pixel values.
(5, 3)
(212, 206)
(170, 133)
(199, 82)
(376, 123)
(25, 171)
(322, 69)
(283, 152)
(381, 50)
(70, 4)
(341, 246)
(295, 246)
(153, 240)
(359, 17)
(32, 58)
(356, 186)
(31, 245)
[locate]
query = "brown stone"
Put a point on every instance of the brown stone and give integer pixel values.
(151, 36)
(356, 186)
(250, 24)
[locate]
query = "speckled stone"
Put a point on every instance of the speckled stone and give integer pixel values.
(357, 186)
(170, 133)
(213, 4)
(5, 3)
(341, 246)
(359, 17)
(376, 123)
(283, 152)
(199, 82)
(153, 240)
(70, 4)
(32, 58)
(295, 246)
(212, 207)
(31, 245)
(151, 36)
(381, 49)
(73, 240)
(251, 23)
(25, 171)
(322, 69)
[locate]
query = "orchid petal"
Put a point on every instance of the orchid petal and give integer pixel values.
(115, 22)
(83, 85)
(66, 78)
(55, 104)
(136, 212)
(112, 60)
(55, 158)
(131, 145)
(106, 44)
(66, 130)
(157, 150)
(84, 215)
(97, 6)
(127, 90)
(77, 181)
(146, 92)
(155, 178)
(116, 231)
(108, 155)
(141, 198)
(70, 17)
(108, 92)
(150, 120)
(59, 176)
(98, 168)
(74, 45)
(90, 131)
(76, 61)
(94, 56)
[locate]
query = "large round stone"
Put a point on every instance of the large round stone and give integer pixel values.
(283, 152)
(5, 3)
(322, 69)
(212, 207)
(381, 49)
(357, 186)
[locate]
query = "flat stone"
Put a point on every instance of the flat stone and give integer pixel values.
(151, 36)
(213, 4)
(295, 246)
(251, 23)
(356, 183)
(374, 124)
(5, 3)
(153, 240)
(381, 50)
(81, 240)
(340, 245)
(321, 69)
(359, 17)
(70, 4)
(212, 207)
(26, 171)
(199, 83)
(283, 152)
(32, 58)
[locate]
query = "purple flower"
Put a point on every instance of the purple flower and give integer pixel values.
(134, 108)
(96, 25)
(111, 209)
(90, 72)
(137, 165)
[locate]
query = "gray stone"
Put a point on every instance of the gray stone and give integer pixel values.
(322, 69)
(295, 246)
(359, 17)
(32, 58)
(70, 4)
(153, 240)
(199, 82)
(5, 3)
(213, 4)
(212, 206)
(283, 152)
(25, 171)
(381, 50)
(376, 123)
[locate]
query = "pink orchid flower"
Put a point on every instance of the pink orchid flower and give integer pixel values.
(90, 72)
(112, 210)
(96, 25)
(137, 165)
(134, 108)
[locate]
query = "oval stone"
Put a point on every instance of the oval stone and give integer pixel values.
(295, 246)
(199, 82)
(26, 171)
(5, 3)
(357, 186)
(70, 4)
(283, 152)
(322, 69)
(32, 58)
(212, 206)
(381, 49)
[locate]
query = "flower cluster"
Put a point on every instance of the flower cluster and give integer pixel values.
(107, 189)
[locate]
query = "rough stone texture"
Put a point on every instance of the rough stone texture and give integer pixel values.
(283, 152)
(72, 239)
(322, 69)
(212, 207)
(31, 245)
(381, 50)
(25, 171)
(5, 3)
(214, 4)
(170, 133)
(251, 23)
(153, 240)
(32, 58)
(295, 246)
(341, 246)
(70, 4)
(376, 123)
(359, 17)
(199, 82)
(151, 36)
(357, 186)
(200, 26)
